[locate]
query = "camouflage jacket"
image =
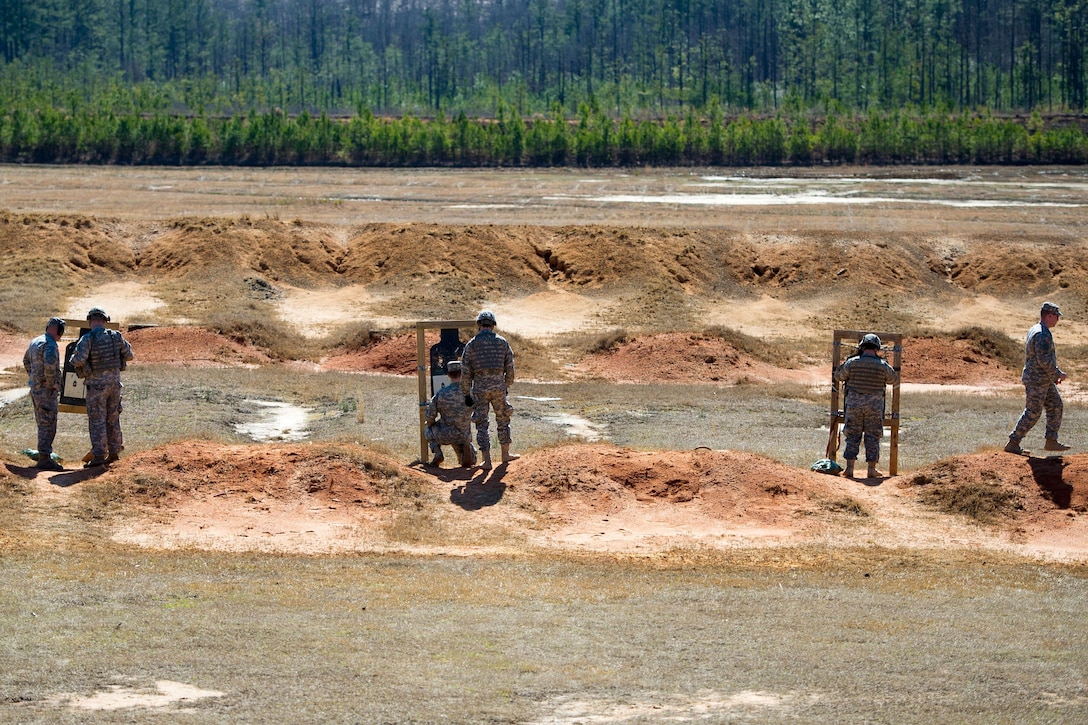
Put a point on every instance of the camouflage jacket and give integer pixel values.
(486, 355)
(42, 363)
(1040, 357)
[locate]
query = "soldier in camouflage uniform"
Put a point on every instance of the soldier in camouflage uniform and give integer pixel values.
(865, 377)
(449, 421)
(487, 370)
(1041, 377)
(99, 357)
(43, 368)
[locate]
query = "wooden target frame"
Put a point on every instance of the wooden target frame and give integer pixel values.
(849, 340)
(422, 364)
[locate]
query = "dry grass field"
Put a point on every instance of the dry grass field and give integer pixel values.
(270, 548)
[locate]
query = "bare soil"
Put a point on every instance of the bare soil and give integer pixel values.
(653, 286)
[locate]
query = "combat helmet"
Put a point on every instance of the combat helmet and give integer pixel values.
(486, 317)
(97, 313)
(870, 342)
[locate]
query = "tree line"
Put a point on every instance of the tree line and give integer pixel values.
(632, 58)
(591, 138)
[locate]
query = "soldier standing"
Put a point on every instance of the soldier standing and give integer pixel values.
(449, 421)
(1040, 377)
(99, 357)
(865, 376)
(43, 368)
(487, 371)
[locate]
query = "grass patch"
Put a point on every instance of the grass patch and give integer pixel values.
(985, 501)
(844, 505)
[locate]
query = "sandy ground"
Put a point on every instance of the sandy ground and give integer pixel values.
(659, 266)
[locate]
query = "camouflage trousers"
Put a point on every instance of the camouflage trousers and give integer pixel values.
(864, 419)
(494, 398)
(104, 418)
(441, 434)
(45, 415)
(1039, 398)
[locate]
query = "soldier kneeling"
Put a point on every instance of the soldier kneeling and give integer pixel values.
(449, 421)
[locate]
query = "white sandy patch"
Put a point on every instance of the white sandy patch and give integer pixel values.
(127, 302)
(548, 313)
(703, 706)
(119, 697)
(317, 313)
(765, 317)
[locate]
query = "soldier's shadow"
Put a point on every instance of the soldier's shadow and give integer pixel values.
(61, 479)
(1048, 475)
(486, 488)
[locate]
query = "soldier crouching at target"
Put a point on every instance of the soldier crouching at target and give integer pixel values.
(487, 371)
(449, 421)
(865, 376)
(99, 357)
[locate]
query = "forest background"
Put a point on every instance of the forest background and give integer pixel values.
(543, 82)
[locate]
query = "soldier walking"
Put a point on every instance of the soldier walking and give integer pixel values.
(487, 371)
(449, 420)
(99, 357)
(43, 368)
(865, 376)
(1040, 377)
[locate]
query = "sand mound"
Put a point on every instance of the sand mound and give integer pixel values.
(1037, 502)
(580, 479)
(395, 355)
(191, 347)
(682, 357)
(942, 360)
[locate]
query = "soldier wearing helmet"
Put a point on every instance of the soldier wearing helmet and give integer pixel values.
(43, 368)
(865, 377)
(487, 371)
(99, 357)
(1041, 377)
(449, 420)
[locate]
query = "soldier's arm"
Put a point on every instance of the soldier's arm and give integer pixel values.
(51, 360)
(508, 366)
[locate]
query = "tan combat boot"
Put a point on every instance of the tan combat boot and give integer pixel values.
(438, 458)
(873, 473)
(849, 470)
(507, 456)
(1052, 444)
(486, 464)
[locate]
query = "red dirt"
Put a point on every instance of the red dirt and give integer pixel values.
(191, 347)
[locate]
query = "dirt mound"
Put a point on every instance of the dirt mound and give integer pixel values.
(578, 479)
(191, 347)
(942, 360)
(1039, 501)
(395, 354)
(682, 357)
(323, 474)
(1005, 266)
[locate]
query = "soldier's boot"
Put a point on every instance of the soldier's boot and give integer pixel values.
(507, 456)
(438, 458)
(114, 455)
(46, 463)
(468, 455)
(1013, 447)
(873, 472)
(486, 463)
(849, 470)
(1052, 444)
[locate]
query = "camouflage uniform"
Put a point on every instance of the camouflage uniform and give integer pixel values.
(487, 370)
(42, 363)
(449, 421)
(102, 354)
(865, 377)
(1040, 378)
